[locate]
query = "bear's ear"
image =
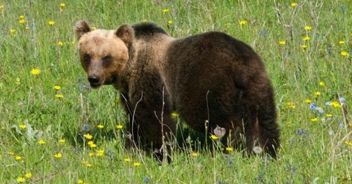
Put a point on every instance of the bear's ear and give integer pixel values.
(126, 34)
(81, 28)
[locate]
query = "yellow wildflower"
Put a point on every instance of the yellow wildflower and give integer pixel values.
(214, 137)
(313, 120)
(308, 101)
(100, 126)
(322, 84)
(13, 32)
(335, 104)
(169, 22)
(51, 22)
(294, 4)
(119, 126)
(136, 164)
(174, 115)
(56, 87)
(127, 159)
(60, 43)
(229, 149)
(2, 7)
(91, 144)
(62, 6)
(194, 154)
(291, 105)
(344, 53)
(18, 158)
(166, 10)
(91, 154)
(22, 21)
(61, 141)
(60, 96)
(348, 143)
(20, 179)
(304, 46)
(41, 142)
(22, 126)
(58, 155)
(341, 42)
(317, 93)
(80, 181)
(243, 22)
(328, 115)
(282, 42)
(308, 28)
(28, 175)
(100, 153)
(35, 71)
(88, 136)
(306, 38)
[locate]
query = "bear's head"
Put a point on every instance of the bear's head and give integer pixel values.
(103, 53)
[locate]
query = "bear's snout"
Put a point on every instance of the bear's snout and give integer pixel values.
(94, 81)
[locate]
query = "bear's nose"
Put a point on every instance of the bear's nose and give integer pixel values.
(93, 79)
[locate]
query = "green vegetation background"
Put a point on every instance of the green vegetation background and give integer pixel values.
(306, 46)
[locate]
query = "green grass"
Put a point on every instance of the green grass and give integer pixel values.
(312, 152)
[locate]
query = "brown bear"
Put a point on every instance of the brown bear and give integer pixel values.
(211, 79)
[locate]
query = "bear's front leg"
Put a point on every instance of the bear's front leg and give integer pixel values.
(150, 124)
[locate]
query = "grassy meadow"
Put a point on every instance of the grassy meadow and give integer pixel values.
(55, 129)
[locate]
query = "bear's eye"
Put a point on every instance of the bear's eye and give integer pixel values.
(107, 60)
(86, 58)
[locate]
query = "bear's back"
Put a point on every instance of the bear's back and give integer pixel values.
(147, 29)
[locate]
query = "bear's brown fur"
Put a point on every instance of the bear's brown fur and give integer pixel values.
(209, 77)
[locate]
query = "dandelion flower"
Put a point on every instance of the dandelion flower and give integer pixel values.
(294, 5)
(306, 38)
(91, 144)
(322, 84)
(91, 154)
(18, 158)
(119, 126)
(80, 181)
(59, 96)
(22, 21)
(100, 153)
(56, 87)
(174, 115)
(243, 22)
(35, 71)
(308, 101)
(166, 10)
(348, 143)
(194, 154)
(214, 137)
(28, 175)
(341, 42)
(62, 6)
(22, 126)
(335, 104)
(136, 164)
(344, 53)
(58, 155)
(229, 149)
(20, 179)
(170, 22)
(328, 115)
(60, 43)
(282, 42)
(291, 105)
(304, 46)
(51, 23)
(100, 126)
(41, 142)
(88, 136)
(317, 93)
(127, 159)
(308, 28)
(313, 120)
(61, 141)
(12, 32)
